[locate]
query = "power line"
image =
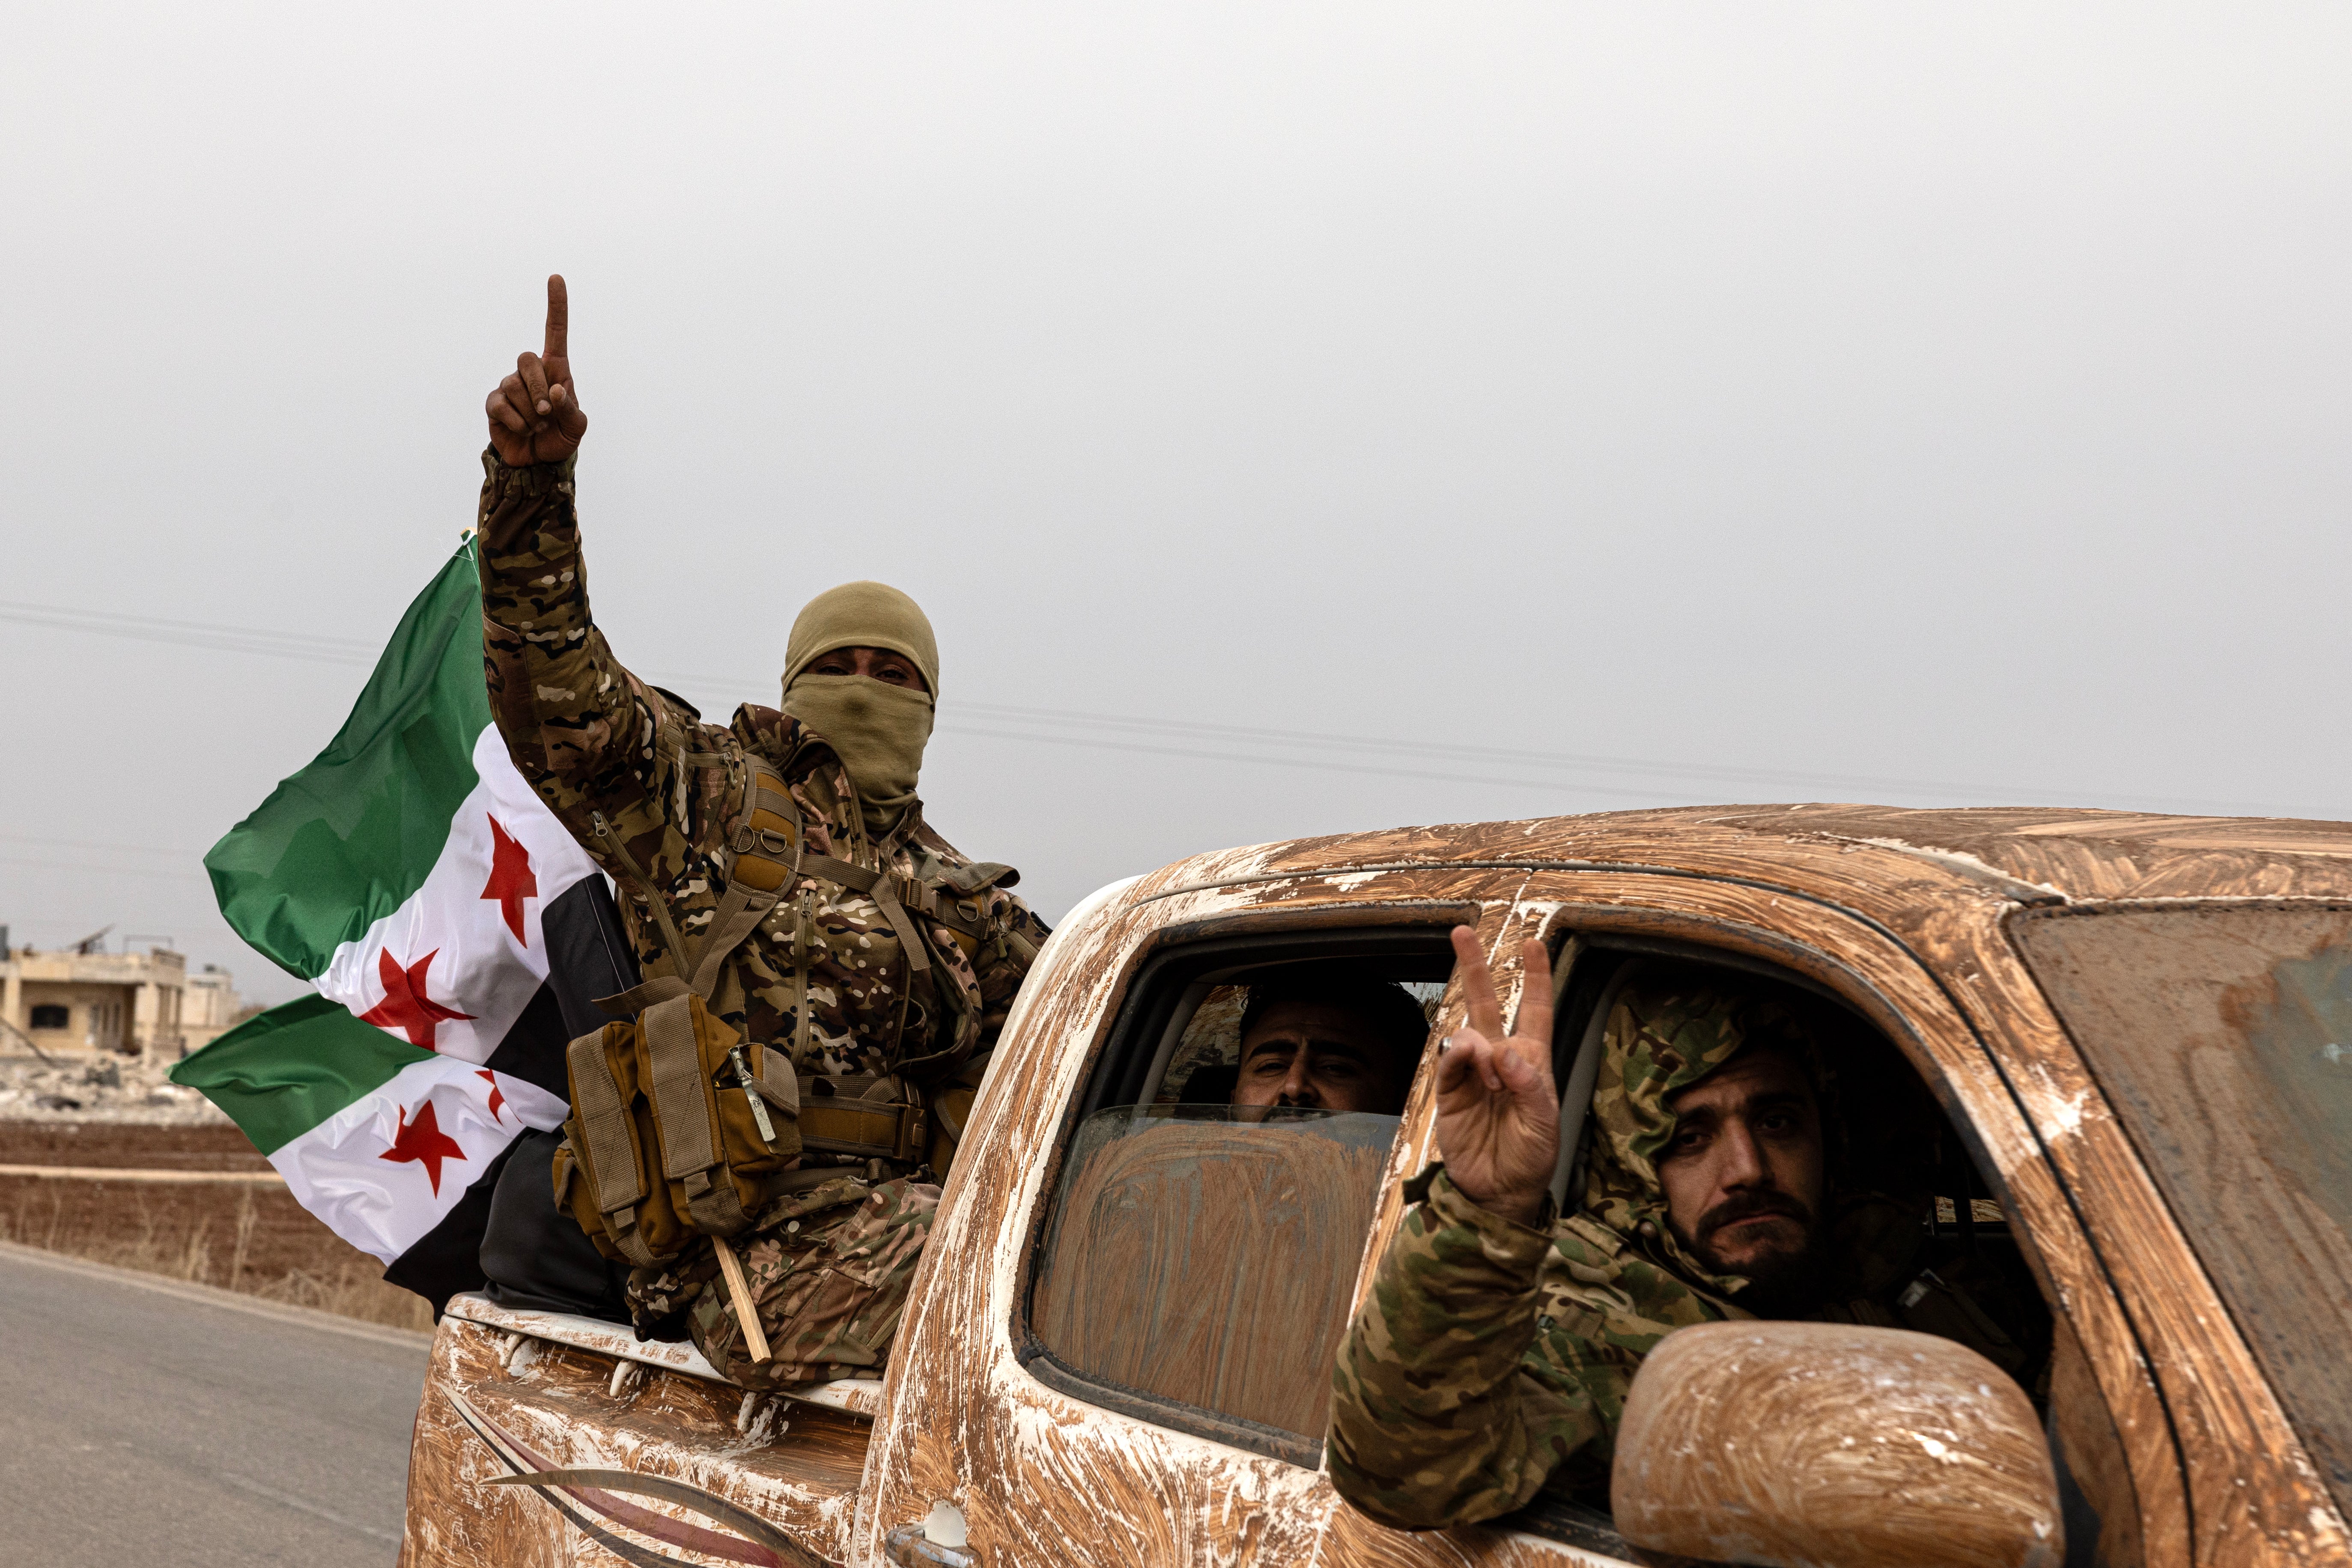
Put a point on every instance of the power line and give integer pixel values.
(1617, 774)
(104, 870)
(193, 634)
(1550, 784)
(94, 844)
(1448, 749)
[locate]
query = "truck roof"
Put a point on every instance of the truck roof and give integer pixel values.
(2029, 854)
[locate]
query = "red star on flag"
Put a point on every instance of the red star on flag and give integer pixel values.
(405, 1007)
(422, 1141)
(497, 1095)
(511, 878)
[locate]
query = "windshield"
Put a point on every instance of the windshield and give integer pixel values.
(2223, 1037)
(1206, 1254)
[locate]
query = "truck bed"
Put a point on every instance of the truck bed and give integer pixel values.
(524, 1392)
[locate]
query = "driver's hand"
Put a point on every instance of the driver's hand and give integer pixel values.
(535, 416)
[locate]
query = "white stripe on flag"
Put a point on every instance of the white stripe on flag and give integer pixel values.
(388, 1167)
(447, 970)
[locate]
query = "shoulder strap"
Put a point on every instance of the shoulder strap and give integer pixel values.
(766, 845)
(672, 943)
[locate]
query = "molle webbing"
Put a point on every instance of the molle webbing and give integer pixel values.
(893, 891)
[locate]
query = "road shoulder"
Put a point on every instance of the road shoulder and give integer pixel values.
(229, 1300)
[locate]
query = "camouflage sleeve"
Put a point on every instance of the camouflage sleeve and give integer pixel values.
(583, 729)
(1436, 1418)
(1003, 963)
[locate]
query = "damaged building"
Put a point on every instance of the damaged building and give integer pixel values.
(81, 999)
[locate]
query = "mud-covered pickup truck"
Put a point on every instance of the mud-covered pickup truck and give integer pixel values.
(2131, 1037)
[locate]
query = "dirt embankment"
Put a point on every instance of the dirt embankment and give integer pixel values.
(242, 1235)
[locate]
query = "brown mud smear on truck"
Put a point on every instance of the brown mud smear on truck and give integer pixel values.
(246, 1235)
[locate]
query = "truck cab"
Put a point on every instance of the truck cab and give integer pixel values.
(2114, 1032)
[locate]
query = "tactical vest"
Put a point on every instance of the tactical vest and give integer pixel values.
(913, 1113)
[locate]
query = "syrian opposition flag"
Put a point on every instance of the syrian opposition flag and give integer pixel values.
(456, 932)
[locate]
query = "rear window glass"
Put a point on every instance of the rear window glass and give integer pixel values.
(2223, 1037)
(1205, 1254)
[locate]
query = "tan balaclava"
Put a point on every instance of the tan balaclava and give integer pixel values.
(879, 730)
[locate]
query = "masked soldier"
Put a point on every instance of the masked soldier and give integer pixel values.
(781, 863)
(1492, 1357)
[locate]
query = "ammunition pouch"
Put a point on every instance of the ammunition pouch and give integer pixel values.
(677, 1129)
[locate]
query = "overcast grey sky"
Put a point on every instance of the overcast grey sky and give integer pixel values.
(1927, 405)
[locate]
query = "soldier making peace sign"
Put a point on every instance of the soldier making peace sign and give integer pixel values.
(1492, 1356)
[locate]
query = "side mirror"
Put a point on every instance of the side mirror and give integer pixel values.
(1822, 1445)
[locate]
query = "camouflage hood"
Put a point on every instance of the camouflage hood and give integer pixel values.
(1666, 1029)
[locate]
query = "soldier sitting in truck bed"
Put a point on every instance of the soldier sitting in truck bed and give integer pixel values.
(1492, 1356)
(885, 969)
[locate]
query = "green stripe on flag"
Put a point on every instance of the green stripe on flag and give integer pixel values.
(282, 1074)
(344, 842)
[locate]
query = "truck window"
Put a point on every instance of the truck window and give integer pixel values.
(1915, 1237)
(1204, 1068)
(2223, 1037)
(1206, 1257)
(1195, 1266)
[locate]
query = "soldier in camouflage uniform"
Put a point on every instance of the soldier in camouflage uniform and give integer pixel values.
(661, 800)
(1492, 1357)
(829, 1268)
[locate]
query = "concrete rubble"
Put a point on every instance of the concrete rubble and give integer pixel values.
(126, 1091)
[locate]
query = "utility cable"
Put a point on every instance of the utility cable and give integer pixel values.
(1616, 773)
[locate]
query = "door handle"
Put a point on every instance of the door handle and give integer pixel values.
(909, 1547)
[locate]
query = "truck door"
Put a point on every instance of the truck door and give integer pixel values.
(1118, 1349)
(2123, 1482)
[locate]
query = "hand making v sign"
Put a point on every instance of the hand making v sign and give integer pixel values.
(535, 416)
(1497, 1112)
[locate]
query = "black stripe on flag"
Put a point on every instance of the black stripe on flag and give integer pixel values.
(588, 956)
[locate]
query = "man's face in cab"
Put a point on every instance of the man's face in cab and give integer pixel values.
(1743, 1174)
(1322, 1055)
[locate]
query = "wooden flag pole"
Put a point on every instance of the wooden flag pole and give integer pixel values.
(746, 1313)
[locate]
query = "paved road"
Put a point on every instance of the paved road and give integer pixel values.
(167, 1427)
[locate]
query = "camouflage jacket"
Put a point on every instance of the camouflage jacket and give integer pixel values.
(1491, 1359)
(600, 744)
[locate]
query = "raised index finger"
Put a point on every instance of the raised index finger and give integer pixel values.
(558, 317)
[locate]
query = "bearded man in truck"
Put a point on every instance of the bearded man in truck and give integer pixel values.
(1492, 1356)
(885, 965)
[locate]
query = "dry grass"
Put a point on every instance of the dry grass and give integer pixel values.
(232, 1237)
